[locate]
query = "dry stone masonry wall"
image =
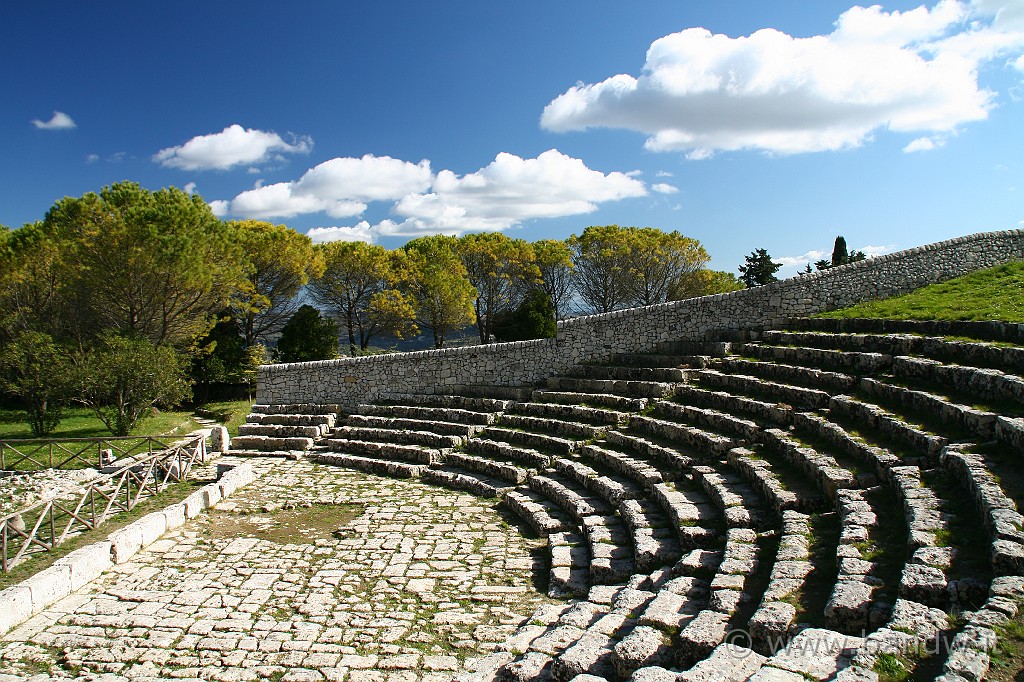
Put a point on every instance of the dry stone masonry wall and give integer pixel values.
(351, 381)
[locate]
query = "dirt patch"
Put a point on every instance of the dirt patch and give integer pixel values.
(298, 526)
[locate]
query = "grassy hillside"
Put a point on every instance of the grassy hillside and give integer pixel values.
(993, 294)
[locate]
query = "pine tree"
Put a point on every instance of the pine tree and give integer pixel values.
(758, 269)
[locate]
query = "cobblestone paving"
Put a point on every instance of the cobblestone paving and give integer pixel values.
(419, 581)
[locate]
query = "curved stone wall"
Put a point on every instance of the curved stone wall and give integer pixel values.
(348, 382)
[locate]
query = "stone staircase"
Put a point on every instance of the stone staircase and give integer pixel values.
(780, 505)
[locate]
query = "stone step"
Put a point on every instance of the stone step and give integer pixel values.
(427, 438)
(550, 425)
(409, 424)
(461, 402)
(653, 538)
(628, 373)
(387, 451)
(808, 377)
(283, 454)
(815, 653)
(989, 384)
(609, 488)
(888, 425)
(531, 440)
(628, 389)
(571, 498)
(543, 515)
(299, 408)
(702, 417)
(574, 413)
(499, 470)
(762, 477)
(705, 443)
(282, 431)
(611, 552)
(292, 419)
(503, 452)
(832, 360)
(715, 349)
(616, 402)
(691, 513)
(741, 505)
(570, 565)
(661, 360)
(590, 657)
(636, 470)
(879, 460)
(804, 398)
(980, 423)
(269, 443)
(666, 459)
(972, 353)
(369, 464)
(821, 468)
(474, 482)
(770, 412)
(430, 414)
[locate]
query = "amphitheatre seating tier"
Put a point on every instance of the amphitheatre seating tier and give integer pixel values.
(766, 477)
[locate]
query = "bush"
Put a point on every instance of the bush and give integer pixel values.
(308, 336)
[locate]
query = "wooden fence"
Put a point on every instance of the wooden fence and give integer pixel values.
(44, 525)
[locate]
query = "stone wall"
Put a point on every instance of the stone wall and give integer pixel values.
(350, 381)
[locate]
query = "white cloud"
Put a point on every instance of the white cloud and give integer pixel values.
(220, 208)
(924, 144)
(190, 188)
(873, 251)
(663, 174)
(664, 188)
(700, 93)
(801, 261)
(59, 121)
(511, 189)
(370, 178)
(361, 232)
(233, 146)
(92, 158)
(506, 192)
(280, 200)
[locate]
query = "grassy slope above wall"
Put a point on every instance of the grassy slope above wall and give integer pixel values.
(992, 294)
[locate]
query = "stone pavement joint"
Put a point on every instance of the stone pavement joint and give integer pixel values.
(415, 581)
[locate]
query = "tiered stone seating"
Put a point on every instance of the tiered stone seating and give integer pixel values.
(283, 430)
(804, 486)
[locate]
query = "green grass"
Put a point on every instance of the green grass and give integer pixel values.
(80, 422)
(993, 294)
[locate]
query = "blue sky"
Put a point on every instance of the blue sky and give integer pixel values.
(744, 124)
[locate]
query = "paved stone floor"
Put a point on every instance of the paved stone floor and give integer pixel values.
(410, 583)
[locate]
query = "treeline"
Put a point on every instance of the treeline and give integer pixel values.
(110, 287)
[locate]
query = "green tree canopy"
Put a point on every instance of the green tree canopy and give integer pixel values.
(122, 379)
(758, 269)
(308, 336)
(704, 283)
(501, 270)
(359, 284)
(36, 370)
(659, 261)
(278, 261)
(439, 285)
(601, 258)
(156, 265)
(534, 318)
(554, 261)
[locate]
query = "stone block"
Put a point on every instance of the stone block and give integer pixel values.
(87, 563)
(48, 586)
(125, 543)
(15, 607)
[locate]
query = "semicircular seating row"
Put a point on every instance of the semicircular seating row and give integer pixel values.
(781, 505)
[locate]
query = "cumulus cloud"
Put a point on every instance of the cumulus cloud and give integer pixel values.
(361, 232)
(59, 121)
(233, 146)
(924, 144)
(504, 193)
(701, 93)
(511, 190)
(664, 188)
(799, 262)
(189, 188)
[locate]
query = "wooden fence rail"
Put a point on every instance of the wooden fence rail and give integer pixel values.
(44, 525)
(39, 453)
